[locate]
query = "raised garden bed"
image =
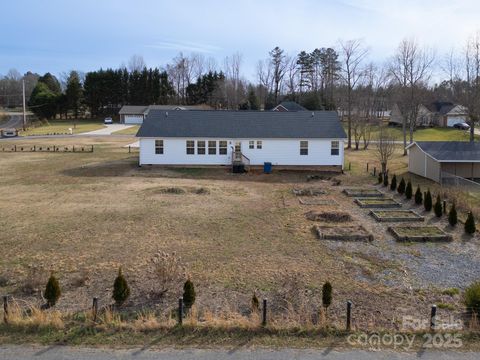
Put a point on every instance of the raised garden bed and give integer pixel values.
(343, 233)
(330, 216)
(396, 215)
(309, 192)
(377, 203)
(362, 192)
(419, 233)
(314, 201)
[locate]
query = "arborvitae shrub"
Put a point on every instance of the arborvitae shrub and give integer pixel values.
(401, 187)
(121, 290)
(409, 190)
(470, 227)
(188, 294)
(380, 178)
(418, 196)
(255, 303)
(444, 207)
(393, 183)
(427, 203)
(326, 295)
(452, 216)
(437, 208)
(52, 291)
(472, 298)
(385, 179)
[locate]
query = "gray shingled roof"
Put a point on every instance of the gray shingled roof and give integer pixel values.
(242, 124)
(451, 151)
(132, 109)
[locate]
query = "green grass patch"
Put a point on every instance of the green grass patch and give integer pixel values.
(451, 292)
(130, 131)
(445, 306)
(63, 126)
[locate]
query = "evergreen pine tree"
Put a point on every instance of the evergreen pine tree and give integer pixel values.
(437, 208)
(52, 291)
(188, 294)
(385, 179)
(121, 290)
(409, 190)
(418, 196)
(401, 187)
(393, 183)
(427, 203)
(470, 227)
(452, 216)
(327, 295)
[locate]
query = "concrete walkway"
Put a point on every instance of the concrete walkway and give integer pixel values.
(108, 130)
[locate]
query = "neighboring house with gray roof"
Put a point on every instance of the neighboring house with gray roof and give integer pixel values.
(286, 139)
(436, 159)
(289, 106)
(438, 113)
(135, 114)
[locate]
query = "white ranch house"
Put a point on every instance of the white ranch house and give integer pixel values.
(298, 139)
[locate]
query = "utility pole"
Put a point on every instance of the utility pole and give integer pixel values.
(24, 111)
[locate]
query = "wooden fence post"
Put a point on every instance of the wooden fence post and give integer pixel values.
(92, 148)
(264, 313)
(367, 167)
(180, 311)
(349, 315)
(5, 309)
(129, 150)
(433, 317)
(73, 148)
(95, 309)
(15, 148)
(374, 171)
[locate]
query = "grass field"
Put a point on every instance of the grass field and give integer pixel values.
(63, 126)
(130, 131)
(84, 215)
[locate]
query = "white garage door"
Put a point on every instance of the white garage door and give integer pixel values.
(452, 120)
(133, 119)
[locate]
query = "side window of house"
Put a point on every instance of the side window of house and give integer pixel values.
(259, 144)
(222, 147)
(159, 147)
(201, 147)
(335, 148)
(251, 144)
(212, 148)
(190, 147)
(303, 147)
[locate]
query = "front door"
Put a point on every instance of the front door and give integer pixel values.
(237, 156)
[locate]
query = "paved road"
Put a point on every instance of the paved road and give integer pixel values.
(15, 121)
(108, 130)
(69, 353)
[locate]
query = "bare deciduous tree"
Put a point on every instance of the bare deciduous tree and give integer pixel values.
(471, 98)
(385, 147)
(136, 63)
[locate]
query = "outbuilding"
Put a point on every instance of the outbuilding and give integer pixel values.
(436, 160)
(299, 139)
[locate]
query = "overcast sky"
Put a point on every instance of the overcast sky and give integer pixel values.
(61, 35)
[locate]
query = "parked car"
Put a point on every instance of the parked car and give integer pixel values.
(461, 126)
(9, 133)
(108, 120)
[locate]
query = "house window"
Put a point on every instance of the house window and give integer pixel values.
(251, 144)
(303, 147)
(190, 147)
(259, 144)
(335, 148)
(159, 147)
(201, 147)
(222, 147)
(212, 148)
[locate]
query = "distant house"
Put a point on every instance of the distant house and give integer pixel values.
(289, 106)
(133, 114)
(436, 159)
(442, 114)
(298, 139)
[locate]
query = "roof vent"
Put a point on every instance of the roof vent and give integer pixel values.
(313, 114)
(166, 113)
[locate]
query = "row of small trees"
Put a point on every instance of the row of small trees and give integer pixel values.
(406, 189)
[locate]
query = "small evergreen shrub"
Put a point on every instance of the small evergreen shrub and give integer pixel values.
(188, 294)
(472, 298)
(380, 178)
(393, 183)
(401, 187)
(255, 303)
(52, 291)
(427, 203)
(121, 290)
(452, 216)
(444, 207)
(409, 190)
(470, 227)
(418, 196)
(385, 179)
(438, 208)
(326, 295)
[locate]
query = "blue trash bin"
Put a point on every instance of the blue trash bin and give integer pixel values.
(267, 167)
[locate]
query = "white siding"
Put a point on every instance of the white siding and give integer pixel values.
(276, 151)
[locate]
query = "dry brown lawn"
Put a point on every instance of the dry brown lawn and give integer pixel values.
(85, 215)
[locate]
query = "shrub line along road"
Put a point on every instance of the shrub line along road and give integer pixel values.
(76, 353)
